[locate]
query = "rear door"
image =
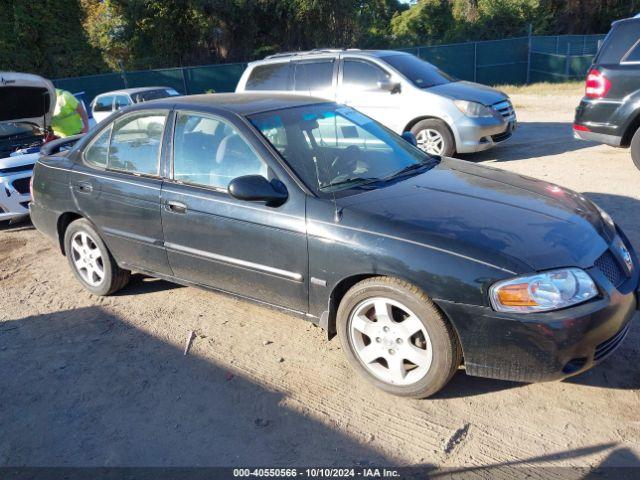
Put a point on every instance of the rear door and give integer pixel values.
(215, 240)
(358, 88)
(117, 187)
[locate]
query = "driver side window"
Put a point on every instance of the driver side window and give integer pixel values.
(210, 152)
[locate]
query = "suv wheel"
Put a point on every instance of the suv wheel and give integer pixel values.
(433, 137)
(635, 149)
(396, 338)
(90, 260)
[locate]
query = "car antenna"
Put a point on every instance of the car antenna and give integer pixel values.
(337, 215)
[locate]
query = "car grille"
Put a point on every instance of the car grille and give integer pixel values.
(22, 185)
(608, 346)
(22, 168)
(501, 137)
(505, 109)
(611, 269)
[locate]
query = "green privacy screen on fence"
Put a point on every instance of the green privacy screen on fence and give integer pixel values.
(493, 62)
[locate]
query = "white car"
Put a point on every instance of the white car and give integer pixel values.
(27, 104)
(105, 104)
(401, 91)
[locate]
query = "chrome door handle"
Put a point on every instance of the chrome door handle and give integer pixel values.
(176, 207)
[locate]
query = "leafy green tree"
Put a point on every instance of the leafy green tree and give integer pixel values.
(46, 37)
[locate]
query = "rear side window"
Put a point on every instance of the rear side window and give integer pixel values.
(103, 104)
(634, 53)
(362, 74)
(135, 143)
(98, 151)
(619, 42)
(311, 76)
(274, 76)
(121, 102)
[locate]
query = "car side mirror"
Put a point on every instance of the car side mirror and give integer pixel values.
(389, 85)
(411, 138)
(256, 188)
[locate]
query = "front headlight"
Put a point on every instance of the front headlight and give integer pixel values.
(543, 291)
(473, 109)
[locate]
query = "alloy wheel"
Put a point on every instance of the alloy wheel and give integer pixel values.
(390, 341)
(87, 258)
(430, 141)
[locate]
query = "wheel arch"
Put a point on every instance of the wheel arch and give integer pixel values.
(328, 320)
(63, 223)
(630, 131)
(413, 122)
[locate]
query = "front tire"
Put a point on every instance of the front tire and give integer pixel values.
(90, 260)
(635, 149)
(396, 338)
(434, 137)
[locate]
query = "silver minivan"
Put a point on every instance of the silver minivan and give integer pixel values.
(397, 89)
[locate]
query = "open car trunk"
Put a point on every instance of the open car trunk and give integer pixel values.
(27, 103)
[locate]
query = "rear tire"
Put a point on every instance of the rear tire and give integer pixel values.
(434, 137)
(635, 149)
(409, 348)
(90, 260)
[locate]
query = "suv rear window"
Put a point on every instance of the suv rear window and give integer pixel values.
(622, 37)
(273, 76)
(634, 54)
(311, 76)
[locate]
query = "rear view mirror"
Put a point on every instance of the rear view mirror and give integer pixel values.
(389, 86)
(256, 188)
(411, 138)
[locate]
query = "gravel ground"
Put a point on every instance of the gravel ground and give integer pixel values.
(88, 381)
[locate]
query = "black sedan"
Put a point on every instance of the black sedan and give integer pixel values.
(419, 264)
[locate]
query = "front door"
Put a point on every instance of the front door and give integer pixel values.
(359, 88)
(216, 240)
(117, 186)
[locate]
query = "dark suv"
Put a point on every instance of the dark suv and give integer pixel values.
(610, 110)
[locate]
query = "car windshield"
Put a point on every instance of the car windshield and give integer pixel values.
(10, 129)
(335, 148)
(422, 74)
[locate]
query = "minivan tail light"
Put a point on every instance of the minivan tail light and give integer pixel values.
(597, 85)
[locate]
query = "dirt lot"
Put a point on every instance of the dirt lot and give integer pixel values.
(87, 381)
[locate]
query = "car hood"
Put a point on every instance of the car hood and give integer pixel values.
(27, 160)
(514, 222)
(26, 98)
(474, 92)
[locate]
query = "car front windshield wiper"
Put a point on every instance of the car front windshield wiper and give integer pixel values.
(356, 181)
(414, 167)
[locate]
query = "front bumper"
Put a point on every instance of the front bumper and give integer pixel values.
(15, 195)
(546, 346)
(479, 134)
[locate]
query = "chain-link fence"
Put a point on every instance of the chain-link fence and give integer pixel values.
(494, 62)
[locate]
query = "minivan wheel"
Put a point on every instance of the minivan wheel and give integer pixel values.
(635, 149)
(90, 260)
(433, 137)
(395, 337)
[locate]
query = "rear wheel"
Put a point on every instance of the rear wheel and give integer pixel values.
(434, 137)
(635, 149)
(396, 338)
(90, 260)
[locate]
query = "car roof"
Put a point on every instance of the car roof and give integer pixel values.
(132, 90)
(239, 103)
(327, 52)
